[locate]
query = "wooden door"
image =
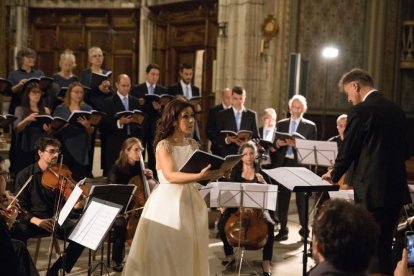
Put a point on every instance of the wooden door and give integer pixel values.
(114, 31)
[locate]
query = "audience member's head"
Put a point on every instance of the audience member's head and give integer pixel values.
(344, 234)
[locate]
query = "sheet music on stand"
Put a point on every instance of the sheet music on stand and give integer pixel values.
(319, 153)
(300, 179)
(250, 195)
(70, 203)
(95, 222)
(348, 195)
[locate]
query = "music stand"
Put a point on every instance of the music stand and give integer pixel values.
(318, 153)
(118, 194)
(243, 195)
(300, 179)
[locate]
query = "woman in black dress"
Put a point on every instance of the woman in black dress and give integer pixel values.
(75, 137)
(65, 76)
(27, 130)
(247, 171)
(126, 167)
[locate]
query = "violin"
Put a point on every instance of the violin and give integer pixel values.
(144, 188)
(59, 176)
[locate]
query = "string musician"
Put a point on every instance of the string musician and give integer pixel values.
(247, 171)
(18, 261)
(125, 169)
(346, 180)
(38, 203)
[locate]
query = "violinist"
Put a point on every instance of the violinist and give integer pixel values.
(340, 126)
(247, 171)
(18, 261)
(38, 203)
(126, 167)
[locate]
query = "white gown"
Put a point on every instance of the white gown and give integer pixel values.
(172, 234)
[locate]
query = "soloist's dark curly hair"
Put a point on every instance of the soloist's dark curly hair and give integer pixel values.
(165, 125)
(346, 235)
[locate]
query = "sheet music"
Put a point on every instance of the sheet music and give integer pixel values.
(292, 177)
(411, 190)
(260, 196)
(342, 194)
(95, 223)
(70, 203)
(229, 194)
(326, 152)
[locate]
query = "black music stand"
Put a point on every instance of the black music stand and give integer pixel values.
(118, 194)
(301, 180)
(243, 195)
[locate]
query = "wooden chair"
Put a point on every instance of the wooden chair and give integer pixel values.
(39, 241)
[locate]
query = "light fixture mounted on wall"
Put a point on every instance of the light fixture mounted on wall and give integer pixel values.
(270, 28)
(222, 29)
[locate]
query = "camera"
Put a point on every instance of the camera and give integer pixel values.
(409, 245)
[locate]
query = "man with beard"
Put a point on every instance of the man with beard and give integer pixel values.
(38, 203)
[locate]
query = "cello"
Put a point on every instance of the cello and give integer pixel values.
(144, 188)
(247, 227)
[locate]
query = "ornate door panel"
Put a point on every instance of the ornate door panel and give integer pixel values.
(114, 31)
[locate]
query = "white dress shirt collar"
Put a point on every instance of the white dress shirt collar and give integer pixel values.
(369, 92)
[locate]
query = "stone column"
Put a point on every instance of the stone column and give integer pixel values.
(376, 21)
(239, 57)
(145, 42)
(22, 24)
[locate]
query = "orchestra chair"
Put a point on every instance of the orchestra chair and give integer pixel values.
(39, 241)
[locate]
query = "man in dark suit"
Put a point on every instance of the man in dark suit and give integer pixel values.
(152, 108)
(116, 131)
(211, 128)
(376, 141)
(287, 157)
(184, 86)
(235, 119)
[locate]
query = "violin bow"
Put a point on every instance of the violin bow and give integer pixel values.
(21, 190)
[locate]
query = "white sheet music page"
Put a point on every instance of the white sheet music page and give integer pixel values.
(225, 194)
(258, 195)
(73, 198)
(342, 194)
(312, 152)
(291, 177)
(95, 223)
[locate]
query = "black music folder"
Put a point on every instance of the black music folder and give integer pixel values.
(6, 120)
(201, 159)
(97, 79)
(138, 116)
(286, 136)
(5, 87)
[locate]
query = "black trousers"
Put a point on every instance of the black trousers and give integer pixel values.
(283, 201)
(228, 249)
(24, 230)
(119, 236)
(387, 219)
